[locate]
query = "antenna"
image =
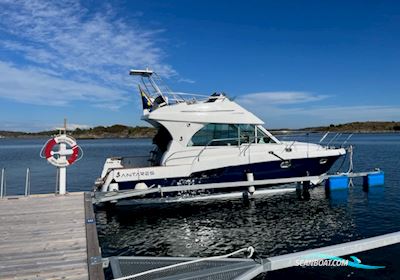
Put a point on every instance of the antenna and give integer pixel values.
(62, 130)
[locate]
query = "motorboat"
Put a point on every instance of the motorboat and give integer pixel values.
(208, 140)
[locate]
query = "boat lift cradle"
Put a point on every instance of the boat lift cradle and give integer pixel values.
(174, 268)
(115, 196)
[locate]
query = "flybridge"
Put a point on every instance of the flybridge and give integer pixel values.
(154, 93)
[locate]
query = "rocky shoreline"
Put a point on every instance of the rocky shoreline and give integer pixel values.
(123, 131)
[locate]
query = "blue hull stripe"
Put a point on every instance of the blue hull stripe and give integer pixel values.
(261, 171)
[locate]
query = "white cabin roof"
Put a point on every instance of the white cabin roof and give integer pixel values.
(220, 111)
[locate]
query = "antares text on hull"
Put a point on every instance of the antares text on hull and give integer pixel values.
(209, 141)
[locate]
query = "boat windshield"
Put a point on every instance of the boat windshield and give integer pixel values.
(262, 137)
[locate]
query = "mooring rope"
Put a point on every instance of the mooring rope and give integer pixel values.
(250, 250)
(351, 165)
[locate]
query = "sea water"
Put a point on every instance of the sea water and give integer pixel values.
(274, 225)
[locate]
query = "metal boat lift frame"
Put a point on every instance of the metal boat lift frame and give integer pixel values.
(115, 196)
(242, 269)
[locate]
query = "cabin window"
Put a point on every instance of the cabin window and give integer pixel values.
(216, 135)
(263, 138)
(247, 133)
(229, 134)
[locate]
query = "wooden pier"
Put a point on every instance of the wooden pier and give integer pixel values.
(49, 237)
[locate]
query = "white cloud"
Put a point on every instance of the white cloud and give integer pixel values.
(36, 126)
(29, 86)
(25, 126)
(73, 126)
(274, 109)
(185, 80)
(280, 97)
(347, 113)
(63, 38)
(298, 117)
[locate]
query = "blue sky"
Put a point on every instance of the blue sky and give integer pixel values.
(294, 63)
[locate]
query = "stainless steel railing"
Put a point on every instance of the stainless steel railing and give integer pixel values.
(3, 183)
(28, 182)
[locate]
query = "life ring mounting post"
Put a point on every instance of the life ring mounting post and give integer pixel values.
(68, 153)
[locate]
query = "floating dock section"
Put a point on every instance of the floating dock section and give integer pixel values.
(49, 237)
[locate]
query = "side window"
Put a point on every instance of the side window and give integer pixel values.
(263, 138)
(247, 133)
(225, 134)
(215, 135)
(203, 136)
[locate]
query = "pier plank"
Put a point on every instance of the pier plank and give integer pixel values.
(47, 237)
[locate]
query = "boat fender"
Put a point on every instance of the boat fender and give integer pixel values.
(141, 186)
(250, 178)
